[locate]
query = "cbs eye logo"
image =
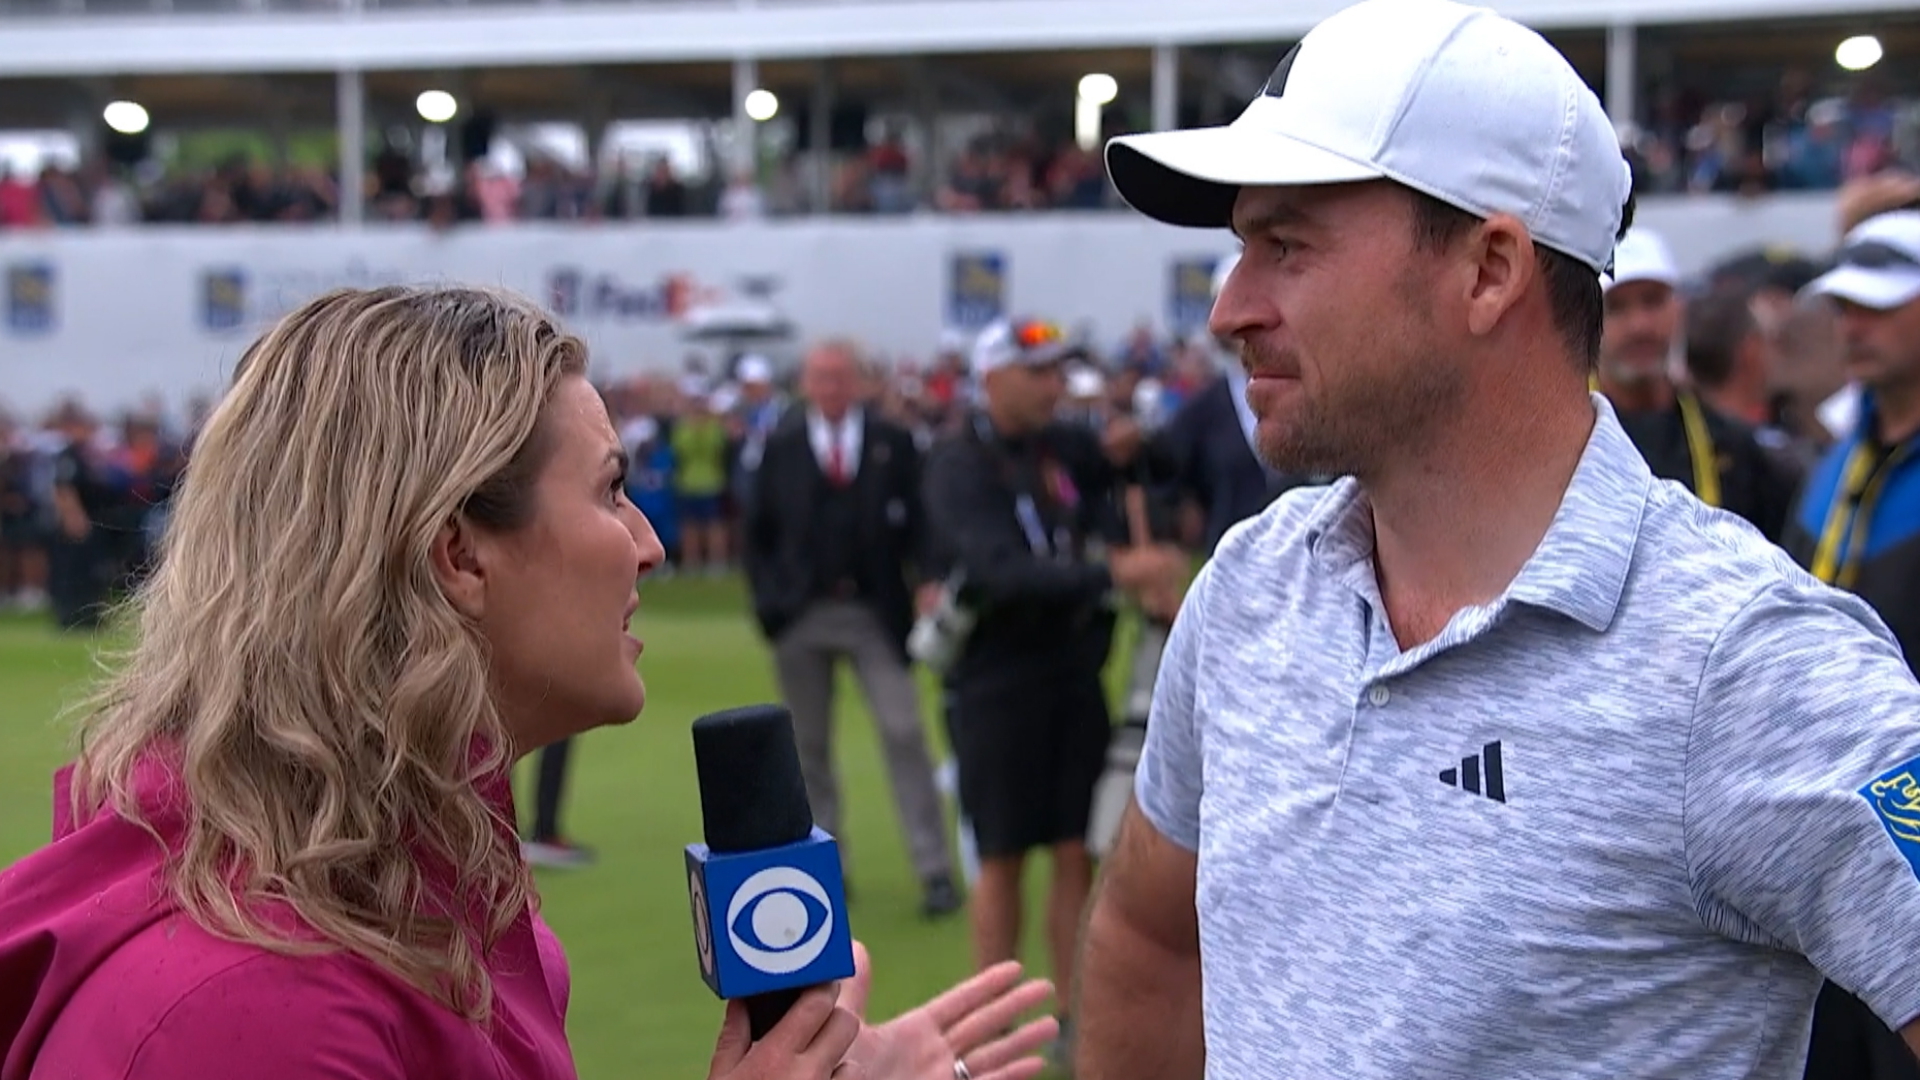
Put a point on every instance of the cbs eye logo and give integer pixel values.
(779, 920)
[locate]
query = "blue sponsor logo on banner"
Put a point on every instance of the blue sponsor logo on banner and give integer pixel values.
(977, 289)
(1190, 301)
(31, 297)
(223, 298)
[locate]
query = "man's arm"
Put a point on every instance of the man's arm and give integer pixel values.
(1802, 799)
(1138, 978)
(761, 533)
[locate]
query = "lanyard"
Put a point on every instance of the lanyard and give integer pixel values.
(1706, 471)
(1850, 517)
(1031, 512)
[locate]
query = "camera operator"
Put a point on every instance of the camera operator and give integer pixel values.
(1026, 508)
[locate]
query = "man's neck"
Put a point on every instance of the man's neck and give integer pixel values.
(1454, 523)
(1650, 394)
(1896, 413)
(1005, 426)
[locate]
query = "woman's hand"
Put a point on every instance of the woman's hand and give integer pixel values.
(972, 1024)
(807, 1044)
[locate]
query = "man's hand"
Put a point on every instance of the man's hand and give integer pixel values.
(926, 598)
(967, 1023)
(1148, 569)
(75, 526)
(1161, 604)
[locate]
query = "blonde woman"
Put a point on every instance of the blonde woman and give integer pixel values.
(401, 559)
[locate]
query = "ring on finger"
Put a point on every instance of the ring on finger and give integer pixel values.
(960, 1071)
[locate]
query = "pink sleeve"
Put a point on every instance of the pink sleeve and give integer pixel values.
(553, 964)
(290, 1019)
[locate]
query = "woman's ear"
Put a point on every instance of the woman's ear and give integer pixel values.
(457, 568)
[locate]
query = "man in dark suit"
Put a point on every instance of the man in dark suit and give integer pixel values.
(833, 527)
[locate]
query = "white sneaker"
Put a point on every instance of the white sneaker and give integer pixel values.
(555, 854)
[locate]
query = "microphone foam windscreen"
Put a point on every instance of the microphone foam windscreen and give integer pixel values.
(751, 793)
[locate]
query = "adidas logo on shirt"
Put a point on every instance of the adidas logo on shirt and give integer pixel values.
(1479, 774)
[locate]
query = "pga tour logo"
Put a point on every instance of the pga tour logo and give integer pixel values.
(779, 921)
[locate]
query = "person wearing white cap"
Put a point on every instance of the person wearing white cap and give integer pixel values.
(1495, 758)
(1858, 522)
(758, 412)
(1022, 505)
(1683, 439)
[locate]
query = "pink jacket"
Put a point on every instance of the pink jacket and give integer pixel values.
(102, 977)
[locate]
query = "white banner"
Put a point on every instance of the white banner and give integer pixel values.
(117, 316)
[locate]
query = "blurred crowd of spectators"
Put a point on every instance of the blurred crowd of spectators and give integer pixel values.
(83, 498)
(693, 435)
(990, 175)
(1790, 140)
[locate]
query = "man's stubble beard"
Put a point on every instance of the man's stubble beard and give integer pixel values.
(1359, 421)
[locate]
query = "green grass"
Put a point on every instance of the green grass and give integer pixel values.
(638, 1007)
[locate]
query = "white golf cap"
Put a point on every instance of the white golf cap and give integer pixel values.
(1642, 256)
(1085, 382)
(1878, 264)
(755, 369)
(1455, 101)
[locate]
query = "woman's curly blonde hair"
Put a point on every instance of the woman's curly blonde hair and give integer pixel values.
(328, 710)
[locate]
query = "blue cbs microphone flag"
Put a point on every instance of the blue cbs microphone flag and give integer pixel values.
(772, 919)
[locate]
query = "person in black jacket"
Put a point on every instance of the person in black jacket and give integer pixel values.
(1717, 458)
(1023, 507)
(834, 532)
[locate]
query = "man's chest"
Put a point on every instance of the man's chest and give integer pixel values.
(1493, 833)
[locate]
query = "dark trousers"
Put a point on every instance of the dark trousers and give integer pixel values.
(549, 781)
(76, 581)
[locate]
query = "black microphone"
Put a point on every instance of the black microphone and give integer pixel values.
(766, 890)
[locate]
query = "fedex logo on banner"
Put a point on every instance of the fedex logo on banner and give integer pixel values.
(573, 293)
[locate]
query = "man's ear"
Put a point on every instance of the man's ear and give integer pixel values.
(457, 567)
(1504, 266)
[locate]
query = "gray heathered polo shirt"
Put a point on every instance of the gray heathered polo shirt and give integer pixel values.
(1614, 824)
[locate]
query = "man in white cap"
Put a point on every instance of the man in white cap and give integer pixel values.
(1858, 527)
(1683, 439)
(757, 412)
(1495, 759)
(1026, 510)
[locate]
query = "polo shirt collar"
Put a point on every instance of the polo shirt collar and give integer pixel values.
(1580, 568)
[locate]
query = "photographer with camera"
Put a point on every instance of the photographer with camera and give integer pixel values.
(1026, 509)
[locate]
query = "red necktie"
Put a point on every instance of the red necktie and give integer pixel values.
(836, 467)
